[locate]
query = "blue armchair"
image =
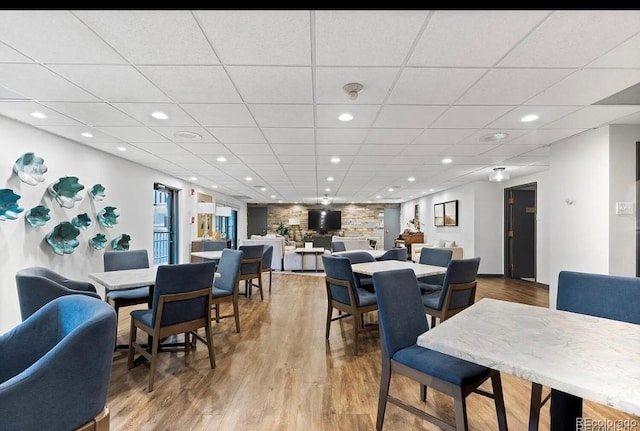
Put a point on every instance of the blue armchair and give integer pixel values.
(55, 366)
(225, 287)
(435, 257)
(38, 286)
(397, 253)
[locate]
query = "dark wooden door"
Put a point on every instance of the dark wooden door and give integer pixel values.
(521, 233)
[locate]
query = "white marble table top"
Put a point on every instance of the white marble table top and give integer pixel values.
(375, 253)
(124, 279)
(368, 268)
(207, 254)
(309, 250)
(589, 357)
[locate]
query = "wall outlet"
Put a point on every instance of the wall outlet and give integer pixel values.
(624, 208)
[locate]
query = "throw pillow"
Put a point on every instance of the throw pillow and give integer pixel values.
(437, 243)
(449, 243)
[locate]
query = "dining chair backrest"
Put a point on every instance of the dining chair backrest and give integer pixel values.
(267, 256)
(182, 278)
(609, 296)
(213, 245)
(435, 256)
(229, 270)
(398, 253)
(339, 268)
(338, 246)
(400, 313)
(358, 256)
(115, 260)
(251, 253)
(459, 287)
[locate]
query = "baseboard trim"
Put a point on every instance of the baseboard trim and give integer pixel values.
(490, 275)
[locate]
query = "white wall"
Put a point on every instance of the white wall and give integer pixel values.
(622, 188)
(579, 230)
(488, 229)
(129, 188)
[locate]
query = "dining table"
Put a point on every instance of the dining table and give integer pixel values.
(420, 270)
(577, 355)
(376, 254)
(212, 255)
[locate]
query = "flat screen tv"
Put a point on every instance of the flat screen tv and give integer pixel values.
(325, 220)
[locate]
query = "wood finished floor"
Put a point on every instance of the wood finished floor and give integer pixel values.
(279, 373)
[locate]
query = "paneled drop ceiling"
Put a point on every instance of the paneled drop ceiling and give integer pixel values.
(262, 90)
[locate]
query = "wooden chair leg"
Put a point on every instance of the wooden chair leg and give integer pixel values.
(133, 334)
(154, 359)
(260, 287)
(270, 274)
(212, 358)
(385, 379)
(498, 398)
(217, 313)
(236, 313)
(433, 322)
(329, 313)
(536, 405)
(186, 343)
(460, 405)
(356, 329)
(423, 392)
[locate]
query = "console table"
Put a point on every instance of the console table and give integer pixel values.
(316, 252)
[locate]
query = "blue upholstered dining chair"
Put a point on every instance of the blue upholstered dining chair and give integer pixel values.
(435, 257)
(267, 257)
(402, 320)
(116, 260)
(397, 253)
(608, 296)
(337, 246)
(458, 290)
(225, 287)
(251, 268)
(345, 294)
(181, 304)
(213, 245)
(38, 286)
(365, 281)
(55, 366)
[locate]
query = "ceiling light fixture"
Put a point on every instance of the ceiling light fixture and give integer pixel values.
(494, 137)
(499, 174)
(193, 179)
(159, 115)
(39, 115)
(335, 159)
(327, 189)
(446, 160)
(264, 189)
(329, 178)
(345, 117)
(248, 178)
(325, 200)
(273, 196)
(411, 179)
(391, 189)
(280, 201)
(529, 118)
(121, 149)
(214, 186)
(86, 134)
(377, 196)
(221, 159)
(352, 89)
(183, 134)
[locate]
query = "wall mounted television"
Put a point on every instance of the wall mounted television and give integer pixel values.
(324, 221)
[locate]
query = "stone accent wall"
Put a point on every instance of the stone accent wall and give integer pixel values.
(357, 220)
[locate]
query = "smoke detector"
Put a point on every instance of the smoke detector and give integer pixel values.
(352, 89)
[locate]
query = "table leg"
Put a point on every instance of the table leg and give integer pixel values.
(565, 410)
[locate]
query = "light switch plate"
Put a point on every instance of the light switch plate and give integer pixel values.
(624, 208)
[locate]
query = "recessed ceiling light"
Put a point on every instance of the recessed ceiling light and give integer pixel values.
(335, 159)
(264, 189)
(38, 115)
(214, 186)
(411, 179)
(368, 202)
(446, 160)
(494, 137)
(329, 178)
(327, 189)
(86, 134)
(193, 178)
(410, 196)
(121, 149)
(424, 193)
(529, 118)
(273, 196)
(159, 115)
(431, 190)
(378, 197)
(391, 189)
(183, 134)
(248, 178)
(221, 159)
(296, 202)
(280, 201)
(345, 117)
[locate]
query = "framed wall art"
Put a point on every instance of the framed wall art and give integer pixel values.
(451, 213)
(438, 214)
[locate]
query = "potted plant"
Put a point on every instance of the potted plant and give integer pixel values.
(282, 229)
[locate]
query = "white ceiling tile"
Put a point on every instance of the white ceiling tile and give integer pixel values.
(452, 37)
(238, 135)
(593, 116)
(573, 38)
(242, 149)
(283, 115)
(54, 37)
(258, 158)
(162, 148)
(340, 136)
(202, 149)
(410, 116)
(442, 136)
(587, 86)
(363, 115)
(625, 55)
(376, 83)
(545, 136)
(95, 114)
(10, 55)
(112, 83)
(392, 136)
(434, 86)
(152, 36)
(293, 150)
(142, 112)
(300, 167)
(262, 84)
(259, 37)
(367, 38)
(470, 116)
(193, 84)
(293, 159)
(381, 150)
(290, 135)
(133, 134)
(511, 86)
(547, 114)
(222, 115)
(6, 94)
(37, 82)
(629, 119)
(338, 150)
(510, 150)
(21, 110)
(528, 160)
(173, 134)
(74, 133)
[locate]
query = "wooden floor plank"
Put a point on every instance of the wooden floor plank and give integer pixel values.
(279, 373)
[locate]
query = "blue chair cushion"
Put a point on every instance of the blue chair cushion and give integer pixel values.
(144, 316)
(441, 366)
(366, 297)
(432, 299)
(217, 292)
(340, 294)
(135, 293)
(428, 287)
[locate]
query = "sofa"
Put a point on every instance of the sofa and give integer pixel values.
(297, 261)
(352, 243)
(278, 243)
(417, 247)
